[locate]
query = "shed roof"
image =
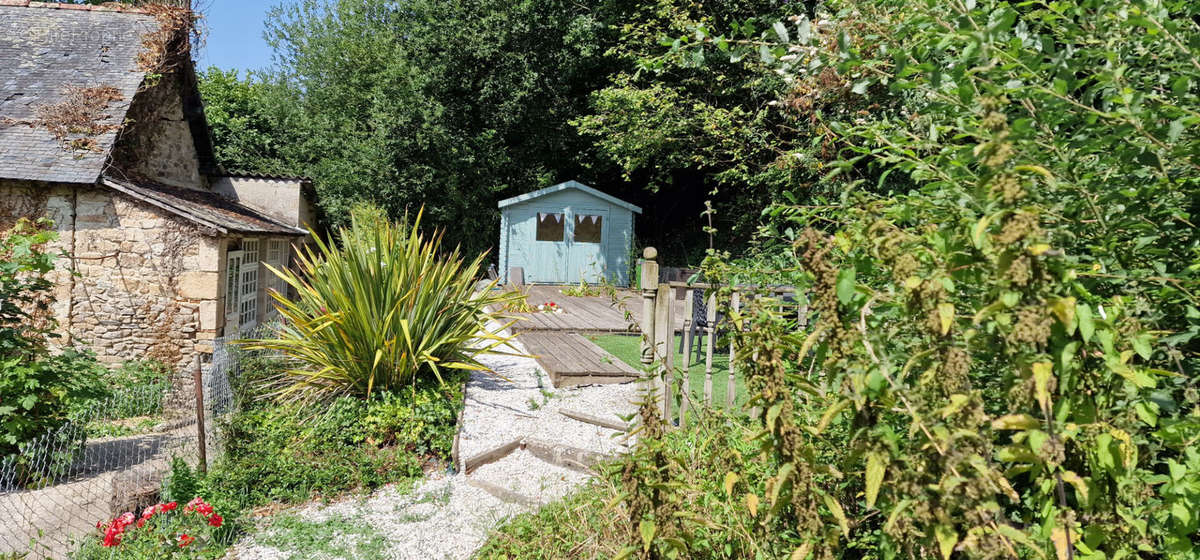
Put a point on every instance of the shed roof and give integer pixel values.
(569, 185)
(204, 208)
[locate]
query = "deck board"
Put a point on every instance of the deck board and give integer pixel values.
(572, 359)
(594, 314)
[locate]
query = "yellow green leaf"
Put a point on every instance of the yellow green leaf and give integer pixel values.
(1038, 249)
(781, 479)
(838, 513)
(1064, 309)
(1042, 371)
(752, 504)
(947, 537)
(772, 415)
(1015, 422)
(978, 234)
(1061, 544)
(946, 315)
(731, 478)
(647, 529)
(830, 413)
(1080, 485)
(876, 466)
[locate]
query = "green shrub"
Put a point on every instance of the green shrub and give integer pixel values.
(279, 455)
(291, 453)
(1003, 359)
(37, 388)
(379, 312)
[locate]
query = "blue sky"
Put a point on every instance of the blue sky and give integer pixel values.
(234, 34)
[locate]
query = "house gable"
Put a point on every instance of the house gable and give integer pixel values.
(159, 141)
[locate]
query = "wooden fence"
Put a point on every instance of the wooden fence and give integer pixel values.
(658, 333)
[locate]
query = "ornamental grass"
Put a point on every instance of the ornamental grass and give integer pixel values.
(379, 312)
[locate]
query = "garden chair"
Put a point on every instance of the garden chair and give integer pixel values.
(698, 326)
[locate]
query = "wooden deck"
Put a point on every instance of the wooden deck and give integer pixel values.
(571, 359)
(587, 314)
(556, 341)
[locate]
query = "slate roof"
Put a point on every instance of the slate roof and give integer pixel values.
(43, 51)
(204, 208)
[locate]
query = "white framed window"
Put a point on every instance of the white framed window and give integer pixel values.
(233, 264)
(248, 291)
(277, 257)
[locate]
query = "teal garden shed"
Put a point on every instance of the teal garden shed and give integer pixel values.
(565, 234)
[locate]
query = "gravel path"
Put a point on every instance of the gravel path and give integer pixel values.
(449, 517)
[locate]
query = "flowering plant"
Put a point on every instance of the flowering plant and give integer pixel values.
(550, 307)
(162, 530)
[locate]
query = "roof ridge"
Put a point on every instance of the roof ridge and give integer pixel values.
(106, 7)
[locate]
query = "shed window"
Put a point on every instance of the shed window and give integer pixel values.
(588, 228)
(549, 226)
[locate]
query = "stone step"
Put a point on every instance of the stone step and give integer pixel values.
(524, 477)
(613, 424)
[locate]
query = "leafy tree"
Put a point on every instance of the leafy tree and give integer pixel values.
(447, 104)
(1003, 362)
(246, 132)
(699, 125)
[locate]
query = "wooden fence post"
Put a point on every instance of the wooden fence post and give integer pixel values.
(649, 293)
(664, 344)
(710, 332)
(201, 448)
(731, 385)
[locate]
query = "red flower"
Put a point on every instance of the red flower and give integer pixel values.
(170, 506)
(215, 520)
(185, 539)
(112, 535)
(149, 511)
(111, 539)
(198, 505)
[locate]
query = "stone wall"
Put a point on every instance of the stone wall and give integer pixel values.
(157, 143)
(147, 282)
(25, 199)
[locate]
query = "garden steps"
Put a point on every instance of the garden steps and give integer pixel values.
(521, 443)
(615, 424)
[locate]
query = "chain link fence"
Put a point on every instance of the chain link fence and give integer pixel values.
(109, 458)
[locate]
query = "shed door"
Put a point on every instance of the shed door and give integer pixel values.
(588, 238)
(548, 262)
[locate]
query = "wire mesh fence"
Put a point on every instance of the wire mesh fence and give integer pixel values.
(109, 457)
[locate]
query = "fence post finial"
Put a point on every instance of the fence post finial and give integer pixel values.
(649, 275)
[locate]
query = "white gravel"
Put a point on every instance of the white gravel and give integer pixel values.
(518, 401)
(446, 517)
(524, 474)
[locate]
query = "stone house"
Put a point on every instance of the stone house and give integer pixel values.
(103, 131)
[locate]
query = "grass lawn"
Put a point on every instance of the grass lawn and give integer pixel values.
(626, 348)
